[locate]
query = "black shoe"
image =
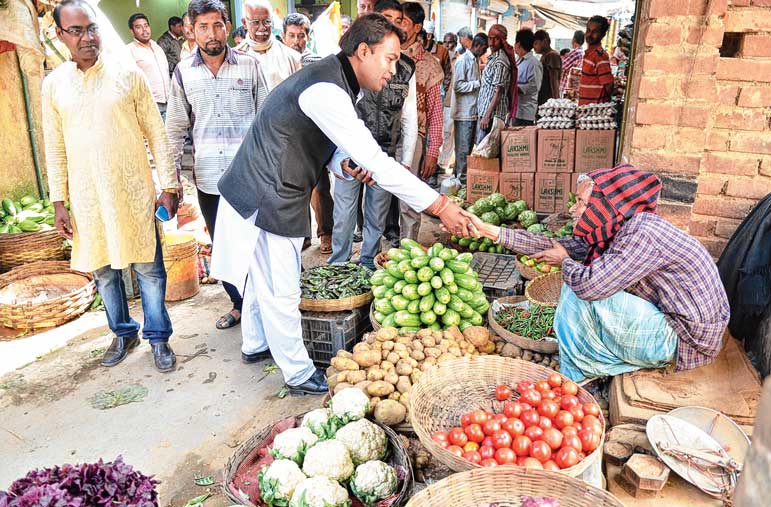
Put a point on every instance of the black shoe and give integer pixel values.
(164, 357)
(357, 237)
(257, 356)
(119, 349)
(317, 384)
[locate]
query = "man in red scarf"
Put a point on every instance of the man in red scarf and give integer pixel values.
(638, 292)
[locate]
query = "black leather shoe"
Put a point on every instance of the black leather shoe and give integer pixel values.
(118, 350)
(317, 384)
(164, 357)
(256, 357)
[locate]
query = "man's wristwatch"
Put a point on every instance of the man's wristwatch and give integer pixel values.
(171, 191)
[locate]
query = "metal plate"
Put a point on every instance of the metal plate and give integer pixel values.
(718, 426)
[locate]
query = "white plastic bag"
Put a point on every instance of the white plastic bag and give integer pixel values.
(490, 146)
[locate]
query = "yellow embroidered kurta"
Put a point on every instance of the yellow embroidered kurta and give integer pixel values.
(94, 123)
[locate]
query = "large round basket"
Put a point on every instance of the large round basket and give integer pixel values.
(241, 485)
(335, 305)
(438, 400)
(527, 272)
(375, 324)
(72, 291)
(26, 247)
(545, 290)
(505, 486)
(542, 346)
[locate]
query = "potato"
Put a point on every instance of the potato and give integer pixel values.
(453, 333)
(404, 354)
(384, 354)
(488, 348)
(432, 352)
(415, 375)
(389, 345)
(390, 412)
(438, 335)
(377, 346)
(444, 347)
(354, 377)
(405, 398)
(445, 357)
(385, 334)
(332, 381)
(370, 338)
(342, 376)
(344, 354)
(404, 340)
(511, 350)
(400, 346)
(404, 385)
(387, 365)
(342, 385)
(394, 396)
(467, 354)
(342, 363)
(428, 341)
(403, 367)
(418, 355)
(498, 347)
(430, 360)
(423, 333)
(455, 351)
(331, 371)
(413, 362)
(367, 358)
(373, 402)
(375, 374)
(361, 346)
(471, 349)
(417, 345)
(478, 336)
(393, 357)
(363, 385)
(391, 377)
(380, 388)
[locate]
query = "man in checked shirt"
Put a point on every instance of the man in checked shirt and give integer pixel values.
(637, 291)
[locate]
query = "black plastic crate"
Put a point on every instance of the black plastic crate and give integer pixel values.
(324, 333)
(498, 274)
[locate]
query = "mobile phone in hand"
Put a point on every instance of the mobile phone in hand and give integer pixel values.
(162, 214)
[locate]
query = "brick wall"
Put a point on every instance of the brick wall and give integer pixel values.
(699, 120)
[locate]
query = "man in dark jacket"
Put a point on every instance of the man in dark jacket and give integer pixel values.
(171, 42)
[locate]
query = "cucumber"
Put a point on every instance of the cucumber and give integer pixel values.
(4, 228)
(436, 264)
(436, 326)
(427, 302)
(404, 266)
(389, 320)
(36, 206)
(389, 293)
(482, 309)
(428, 317)
(410, 291)
(445, 254)
(408, 244)
(419, 262)
(12, 229)
(411, 276)
(396, 254)
(466, 282)
(28, 199)
(456, 304)
(8, 206)
(425, 274)
(384, 306)
(399, 286)
(379, 317)
(447, 275)
(29, 226)
(457, 266)
(436, 282)
(451, 318)
(476, 319)
(417, 251)
(389, 280)
(465, 295)
(452, 287)
(465, 257)
(465, 242)
(466, 312)
(439, 308)
(377, 278)
(393, 269)
(424, 289)
(464, 324)
(399, 302)
(443, 295)
(404, 331)
(379, 291)
(414, 307)
(435, 249)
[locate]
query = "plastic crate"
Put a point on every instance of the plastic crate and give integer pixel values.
(498, 274)
(324, 333)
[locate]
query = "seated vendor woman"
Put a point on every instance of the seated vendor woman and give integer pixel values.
(637, 292)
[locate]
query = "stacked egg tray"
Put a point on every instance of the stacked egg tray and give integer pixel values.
(596, 116)
(557, 114)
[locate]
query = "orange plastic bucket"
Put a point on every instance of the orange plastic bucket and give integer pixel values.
(180, 257)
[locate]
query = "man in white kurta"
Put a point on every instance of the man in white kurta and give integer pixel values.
(97, 113)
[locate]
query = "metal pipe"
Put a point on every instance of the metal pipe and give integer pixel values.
(31, 130)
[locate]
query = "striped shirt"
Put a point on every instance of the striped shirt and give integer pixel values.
(595, 75)
(573, 59)
(219, 108)
(497, 73)
(651, 259)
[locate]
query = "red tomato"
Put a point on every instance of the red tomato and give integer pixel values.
(530, 418)
(578, 413)
(563, 419)
(472, 456)
(572, 441)
(591, 422)
(591, 409)
(491, 426)
(581, 456)
(569, 401)
(534, 433)
(489, 463)
(555, 379)
(525, 385)
(502, 438)
(557, 391)
(549, 395)
(541, 451)
(566, 457)
(532, 463)
(458, 437)
(512, 409)
(505, 456)
(548, 408)
(456, 450)
(521, 445)
(514, 426)
(465, 419)
(474, 433)
(521, 460)
(501, 418)
(570, 388)
(471, 446)
(531, 397)
(545, 423)
(551, 465)
(553, 437)
(502, 393)
(578, 426)
(441, 438)
(487, 442)
(487, 452)
(569, 430)
(542, 386)
(589, 440)
(479, 417)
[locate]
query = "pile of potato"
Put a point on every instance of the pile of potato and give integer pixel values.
(385, 365)
(510, 350)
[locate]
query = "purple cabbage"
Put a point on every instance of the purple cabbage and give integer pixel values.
(85, 485)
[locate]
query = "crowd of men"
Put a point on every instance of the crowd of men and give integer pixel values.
(430, 104)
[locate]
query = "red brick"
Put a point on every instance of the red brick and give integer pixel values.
(714, 246)
(712, 184)
(688, 139)
(761, 3)
(701, 89)
(765, 166)
(736, 69)
(687, 165)
(664, 8)
(718, 7)
(727, 93)
(724, 207)
(649, 138)
(747, 20)
(655, 88)
(725, 228)
(674, 63)
(663, 35)
(694, 116)
(710, 35)
(730, 163)
(751, 142)
(656, 114)
(698, 227)
(676, 213)
(740, 3)
(755, 96)
(742, 119)
(718, 140)
(756, 45)
(749, 188)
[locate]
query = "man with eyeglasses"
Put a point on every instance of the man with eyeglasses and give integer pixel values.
(97, 114)
(150, 59)
(277, 61)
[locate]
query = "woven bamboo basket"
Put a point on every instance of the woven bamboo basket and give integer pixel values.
(23, 248)
(542, 346)
(245, 462)
(335, 305)
(79, 287)
(438, 400)
(375, 324)
(527, 272)
(482, 487)
(545, 290)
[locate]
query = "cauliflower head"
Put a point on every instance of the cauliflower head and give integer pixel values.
(322, 422)
(329, 458)
(350, 404)
(320, 492)
(293, 444)
(278, 481)
(372, 481)
(365, 440)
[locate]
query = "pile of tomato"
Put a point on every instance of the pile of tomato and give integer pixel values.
(546, 427)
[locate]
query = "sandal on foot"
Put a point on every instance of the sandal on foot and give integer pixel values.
(227, 320)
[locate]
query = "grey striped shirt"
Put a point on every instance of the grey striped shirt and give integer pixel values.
(497, 73)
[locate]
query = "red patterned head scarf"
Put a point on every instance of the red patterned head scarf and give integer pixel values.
(618, 194)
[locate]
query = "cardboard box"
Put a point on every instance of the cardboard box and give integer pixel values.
(551, 192)
(556, 151)
(480, 184)
(474, 163)
(516, 186)
(594, 149)
(518, 149)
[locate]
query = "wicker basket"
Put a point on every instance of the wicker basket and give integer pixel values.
(246, 459)
(527, 272)
(542, 346)
(438, 400)
(335, 305)
(52, 312)
(375, 324)
(545, 290)
(504, 486)
(26, 247)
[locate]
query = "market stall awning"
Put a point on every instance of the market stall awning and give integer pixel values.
(571, 21)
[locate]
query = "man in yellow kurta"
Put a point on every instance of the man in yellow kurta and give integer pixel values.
(96, 114)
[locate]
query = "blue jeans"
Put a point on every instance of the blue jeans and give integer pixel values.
(376, 203)
(152, 287)
(464, 141)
